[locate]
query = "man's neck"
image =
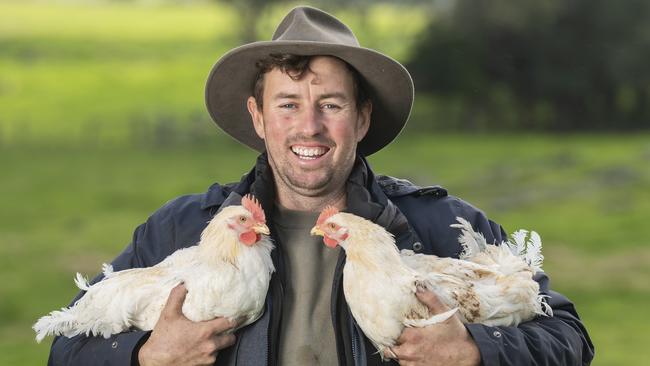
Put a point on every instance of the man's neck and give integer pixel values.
(293, 201)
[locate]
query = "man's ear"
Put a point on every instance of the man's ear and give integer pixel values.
(256, 116)
(364, 120)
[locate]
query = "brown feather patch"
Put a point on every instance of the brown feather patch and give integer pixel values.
(469, 303)
(327, 212)
(253, 206)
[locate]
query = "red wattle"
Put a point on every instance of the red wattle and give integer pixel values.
(249, 238)
(330, 242)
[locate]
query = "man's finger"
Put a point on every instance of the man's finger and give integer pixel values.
(221, 324)
(429, 299)
(400, 353)
(225, 340)
(408, 335)
(174, 305)
(389, 353)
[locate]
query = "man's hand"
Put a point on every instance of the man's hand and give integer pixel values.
(176, 340)
(446, 343)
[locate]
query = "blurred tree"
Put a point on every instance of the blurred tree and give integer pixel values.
(560, 64)
(362, 7)
(250, 11)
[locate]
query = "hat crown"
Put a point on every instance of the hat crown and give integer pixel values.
(309, 24)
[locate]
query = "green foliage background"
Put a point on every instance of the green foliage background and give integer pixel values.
(102, 121)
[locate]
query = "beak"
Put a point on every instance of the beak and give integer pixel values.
(316, 231)
(261, 229)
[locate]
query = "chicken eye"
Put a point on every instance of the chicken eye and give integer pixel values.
(332, 226)
(242, 219)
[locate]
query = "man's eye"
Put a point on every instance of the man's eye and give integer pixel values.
(330, 106)
(288, 106)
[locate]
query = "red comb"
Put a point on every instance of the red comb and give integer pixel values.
(253, 206)
(328, 212)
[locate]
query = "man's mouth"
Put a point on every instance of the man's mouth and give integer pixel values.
(309, 152)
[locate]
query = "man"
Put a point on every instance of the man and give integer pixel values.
(319, 104)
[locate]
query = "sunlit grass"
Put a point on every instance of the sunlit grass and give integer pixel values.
(116, 21)
(98, 100)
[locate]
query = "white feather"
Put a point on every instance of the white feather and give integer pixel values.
(81, 282)
(471, 241)
(527, 247)
(107, 270)
(546, 308)
(534, 256)
(434, 319)
(518, 243)
(53, 323)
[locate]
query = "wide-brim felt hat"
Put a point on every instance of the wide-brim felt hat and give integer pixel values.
(310, 31)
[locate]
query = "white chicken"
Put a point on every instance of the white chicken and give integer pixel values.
(226, 275)
(490, 284)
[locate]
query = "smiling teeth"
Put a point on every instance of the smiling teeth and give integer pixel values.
(308, 152)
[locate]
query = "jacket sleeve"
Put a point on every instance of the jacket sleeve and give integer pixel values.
(151, 243)
(557, 340)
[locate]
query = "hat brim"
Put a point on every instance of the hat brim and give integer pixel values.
(388, 84)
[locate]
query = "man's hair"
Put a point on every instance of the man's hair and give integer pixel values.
(295, 66)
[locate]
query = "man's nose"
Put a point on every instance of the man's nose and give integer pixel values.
(312, 122)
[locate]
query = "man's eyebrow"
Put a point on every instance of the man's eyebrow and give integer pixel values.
(337, 95)
(282, 95)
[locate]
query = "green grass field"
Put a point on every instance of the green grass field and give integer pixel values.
(102, 121)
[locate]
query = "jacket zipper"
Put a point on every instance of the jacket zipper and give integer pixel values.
(277, 295)
(268, 333)
(273, 329)
(354, 340)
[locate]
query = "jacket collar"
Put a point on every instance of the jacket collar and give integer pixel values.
(367, 199)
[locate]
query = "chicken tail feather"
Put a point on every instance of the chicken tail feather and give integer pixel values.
(81, 282)
(534, 255)
(107, 270)
(546, 308)
(473, 242)
(58, 322)
(527, 247)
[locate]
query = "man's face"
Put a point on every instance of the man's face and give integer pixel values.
(311, 126)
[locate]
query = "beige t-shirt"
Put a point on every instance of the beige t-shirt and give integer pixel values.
(306, 333)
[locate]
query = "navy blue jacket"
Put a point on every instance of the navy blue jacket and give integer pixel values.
(418, 217)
